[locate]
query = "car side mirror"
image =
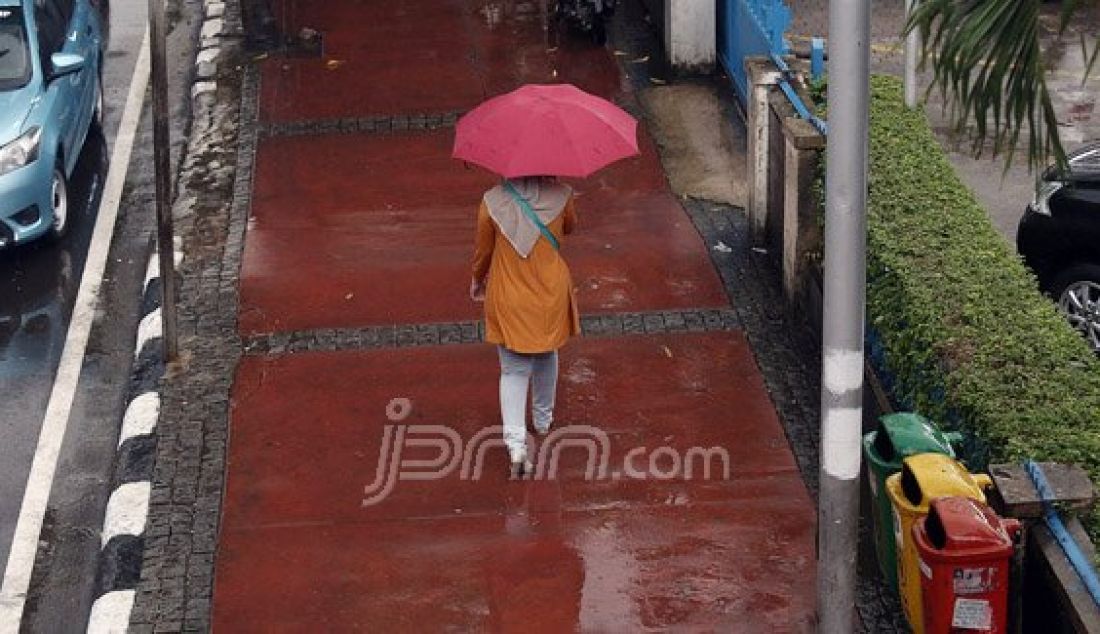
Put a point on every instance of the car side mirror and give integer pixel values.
(65, 64)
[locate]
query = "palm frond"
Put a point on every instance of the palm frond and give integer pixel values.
(987, 62)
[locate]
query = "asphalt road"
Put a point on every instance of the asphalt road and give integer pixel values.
(38, 285)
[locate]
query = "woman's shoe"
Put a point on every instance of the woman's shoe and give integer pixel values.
(521, 467)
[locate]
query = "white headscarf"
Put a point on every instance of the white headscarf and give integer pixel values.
(545, 195)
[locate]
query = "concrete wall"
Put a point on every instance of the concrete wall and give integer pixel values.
(777, 176)
(783, 155)
(690, 31)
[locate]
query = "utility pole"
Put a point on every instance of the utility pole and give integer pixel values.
(162, 159)
(843, 318)
(912, 50)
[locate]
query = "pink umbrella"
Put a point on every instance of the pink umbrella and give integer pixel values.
(555, 129)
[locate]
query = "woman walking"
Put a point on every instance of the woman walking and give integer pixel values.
(530, 310)
(518, 270)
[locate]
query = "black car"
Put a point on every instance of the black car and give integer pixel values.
(1059, 238)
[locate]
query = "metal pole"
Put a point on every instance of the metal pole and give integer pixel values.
(912, 50)
(843, 318)
(162, 160)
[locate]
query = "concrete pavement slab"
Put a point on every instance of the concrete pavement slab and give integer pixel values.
(610, 554)
(298, 419)
(551, 570)
(355, 230)
(452, 56)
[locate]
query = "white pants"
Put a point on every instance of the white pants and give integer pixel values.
(517, 371)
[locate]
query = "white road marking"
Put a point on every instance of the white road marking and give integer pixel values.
(141, 416)
(111, 612)
(127, 510)
(17, 574)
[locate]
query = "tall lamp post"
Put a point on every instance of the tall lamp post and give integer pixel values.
(843, 312)
(162, 160)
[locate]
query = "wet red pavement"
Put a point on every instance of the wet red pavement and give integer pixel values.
(356, 230)
(376, 229)
(299, 551)
(459, 53)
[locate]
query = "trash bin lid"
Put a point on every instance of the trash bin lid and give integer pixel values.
(928, 476)
(961, 524)
(905, 434)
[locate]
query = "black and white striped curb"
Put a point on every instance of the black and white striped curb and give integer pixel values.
(126, 517)
(205, 84)
(124, 522)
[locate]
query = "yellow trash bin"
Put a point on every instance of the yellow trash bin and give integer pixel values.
(923, 478)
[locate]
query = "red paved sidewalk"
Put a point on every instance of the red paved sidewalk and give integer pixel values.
(355, 230)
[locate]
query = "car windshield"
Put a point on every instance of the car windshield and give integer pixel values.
(15, 63)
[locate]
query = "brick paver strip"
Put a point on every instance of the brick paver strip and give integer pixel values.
(466, 332)
(382, 124)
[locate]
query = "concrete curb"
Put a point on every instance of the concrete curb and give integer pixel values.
(205, 84)
(126, 517)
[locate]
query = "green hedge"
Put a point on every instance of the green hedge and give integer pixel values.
(966, 335)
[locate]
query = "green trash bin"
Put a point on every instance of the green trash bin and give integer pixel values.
(898, 436)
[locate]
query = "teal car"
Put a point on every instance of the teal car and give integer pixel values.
(51, 93)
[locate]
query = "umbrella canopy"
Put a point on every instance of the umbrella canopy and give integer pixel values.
(554, 130)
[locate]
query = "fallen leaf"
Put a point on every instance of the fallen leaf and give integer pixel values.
(621, 53)
(668, 353)
(333, 64)
(349, 296)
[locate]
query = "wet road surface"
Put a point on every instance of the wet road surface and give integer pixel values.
(38, 283)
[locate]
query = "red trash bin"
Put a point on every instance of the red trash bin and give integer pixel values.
(965, 557)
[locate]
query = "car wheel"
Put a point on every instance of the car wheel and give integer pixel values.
(1077, 290)
(59, 201)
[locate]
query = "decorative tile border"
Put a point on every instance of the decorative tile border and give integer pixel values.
(382, 124)
(467, 332)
